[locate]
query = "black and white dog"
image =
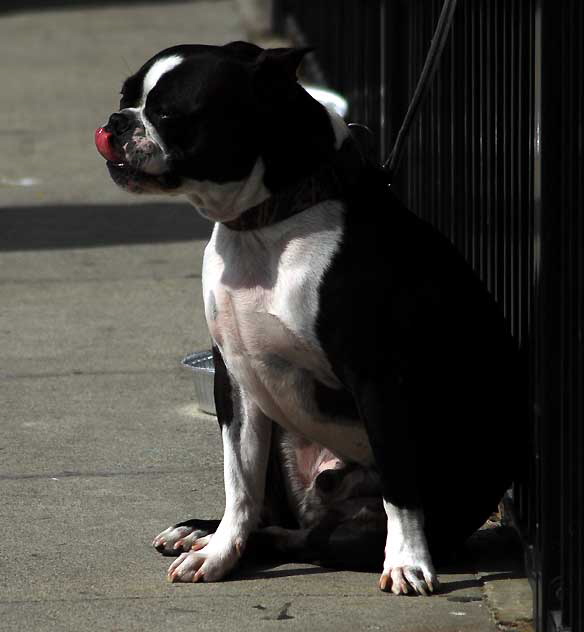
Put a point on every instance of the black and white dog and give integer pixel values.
(366, 385)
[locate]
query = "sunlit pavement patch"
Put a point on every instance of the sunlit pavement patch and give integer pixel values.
(19, 182)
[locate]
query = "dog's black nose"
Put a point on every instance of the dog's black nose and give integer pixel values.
(119, 123)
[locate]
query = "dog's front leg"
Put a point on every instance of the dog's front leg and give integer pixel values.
(246, 432)
(385, 410)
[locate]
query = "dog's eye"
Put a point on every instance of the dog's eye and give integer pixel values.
(165, 115)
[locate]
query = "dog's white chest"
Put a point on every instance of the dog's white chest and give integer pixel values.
(261, 291)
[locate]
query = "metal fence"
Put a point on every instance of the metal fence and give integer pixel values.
(495, 160)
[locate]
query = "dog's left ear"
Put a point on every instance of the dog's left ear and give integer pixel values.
(245, 50)
(282, 61)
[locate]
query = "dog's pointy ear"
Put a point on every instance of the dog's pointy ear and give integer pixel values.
(244, 49)
(282, 62)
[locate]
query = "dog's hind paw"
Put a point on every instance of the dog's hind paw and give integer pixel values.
(177, 539)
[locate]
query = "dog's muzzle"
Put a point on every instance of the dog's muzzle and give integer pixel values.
(103, 142)
(129, 165)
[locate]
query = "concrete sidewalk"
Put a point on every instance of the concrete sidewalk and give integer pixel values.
(61, 77)
(101, 446)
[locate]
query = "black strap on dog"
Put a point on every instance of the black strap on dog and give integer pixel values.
(330, 181)
(430, 65)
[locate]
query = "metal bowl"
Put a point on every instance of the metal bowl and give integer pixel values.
(201, 363)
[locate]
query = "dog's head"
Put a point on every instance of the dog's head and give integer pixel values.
(225, 125)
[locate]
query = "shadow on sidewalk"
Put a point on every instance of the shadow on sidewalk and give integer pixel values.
(78, 226)
(21, 6)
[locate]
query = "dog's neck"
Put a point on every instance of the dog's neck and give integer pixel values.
(330, 181)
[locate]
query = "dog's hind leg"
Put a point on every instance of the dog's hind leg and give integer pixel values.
(335, 542)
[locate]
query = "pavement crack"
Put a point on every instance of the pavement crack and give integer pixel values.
(103, 474)
(103, 280)
(83, 373)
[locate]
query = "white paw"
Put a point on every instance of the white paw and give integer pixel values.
(205, 563)
(175, 540)
(401, 580)
(408, 565)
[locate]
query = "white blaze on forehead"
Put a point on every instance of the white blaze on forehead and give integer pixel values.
(158, 68)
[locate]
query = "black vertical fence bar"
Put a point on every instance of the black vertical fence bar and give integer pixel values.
(547, 322)
(559, 285)
(494, 160)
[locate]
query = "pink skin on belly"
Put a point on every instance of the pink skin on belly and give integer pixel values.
(312, 459)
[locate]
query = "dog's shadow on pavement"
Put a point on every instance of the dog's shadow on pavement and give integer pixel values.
(20, 6)
(274, 570)
(490, 555)
(82, 226)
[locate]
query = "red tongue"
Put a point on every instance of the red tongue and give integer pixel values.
(103, 144)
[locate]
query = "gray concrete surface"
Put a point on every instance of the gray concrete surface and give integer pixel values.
(61, 75)
(101, 445)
